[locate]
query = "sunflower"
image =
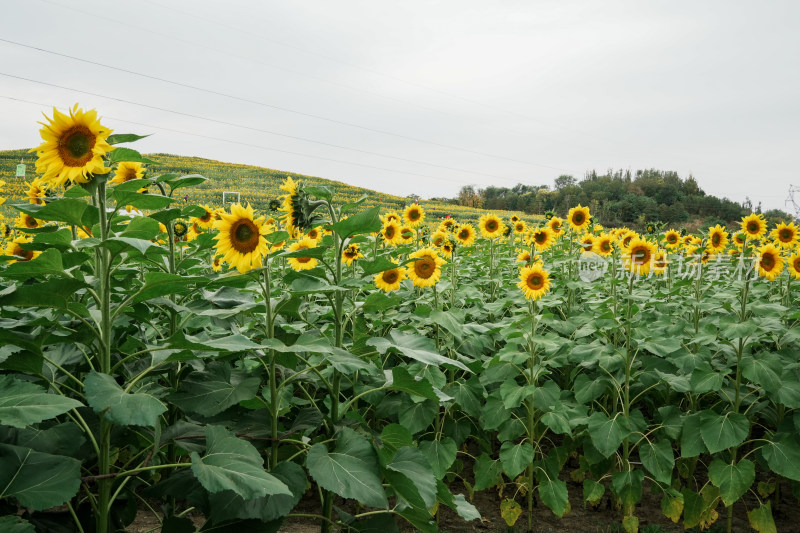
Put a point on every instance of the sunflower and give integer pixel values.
(524, 257)
(391, 233)
(14, 248)
(770, 262)
(24, 220)
(520, 227)
(514, 219)
(128, 171)
(587, 243)
(794, 265)
(638, 256)
(466, 235)
(660, 262)
(785, 235)
(754, 226)
(604, 245)
(717, 239)
(241, 240)
(556, 225)
(739, 238)
(274, 205)
(542, 238)
(5, 231)
(407, 235)
(438, 238)
(447, 249)
(414, 215)
(351, 253)
(37, 191)
(73, 147)
(650, 228)
(446, 225)
(534, 281)
(427, 269)
(315, 234)
(180, 229)
(216, 264)
(549, 214)
(302, 263)
(389, 280)
(626, 237)
(292, 214)
(578, 218)
(391, 216)
(206, 220)
(672, 238)
(491, 226)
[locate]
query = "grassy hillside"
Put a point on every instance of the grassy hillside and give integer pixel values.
(256, 185)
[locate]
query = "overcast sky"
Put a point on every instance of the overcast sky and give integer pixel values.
(422, 96)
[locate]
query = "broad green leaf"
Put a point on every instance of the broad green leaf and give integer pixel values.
(37, 480)
(448, 321)
(554, 495)
(418, 416)
(761, 519)
(515, 457)
(412, 465)
(783, 456)
(691, 446)
(558, 419)
(732, 480)
(705, 379)
(62, 439)
(403, 381)
(488, 472)
(364, 222)
(228, 505)
(764, 369)
(593, 491)
(106, 397)
(55, 293)
(393, 437)
(48, 263)
(699, 509)
(672, 505)
(440, 454)
(607, 433)
(117, 138)
(723, 431)
(189, 180)
(162, 284)
(15, 524)
(514, 394)
(381, 264)
(68, 210)
(211, 391)
(234, 464)
(141, 228)
(510, 510)
(23, 403)
(416, 347)
(119, 154)
(141, 200)
(351, 470)
(627, 486)
(658, 459)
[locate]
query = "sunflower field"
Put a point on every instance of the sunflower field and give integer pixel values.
(371, 369)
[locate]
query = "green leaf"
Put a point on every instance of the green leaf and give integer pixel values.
(15, 524)
(129, 155)
(373, 267)
(416, 347)
(448, 321)
(68, 210)
(514, 394)
(364, 222)
(705, 379)
(141, 228)
(234, 464)
(761, 519)
(393, 437)
(691, 446)
(554, 495)
(162, 284)
(106, 397)
(411, 463)
(732, 480)
(593, 491)
(117, 138)
(189, 180)
(47, 263)
(441, 455)
(764, 369)
(418, 416)
(607, 433)
(515, 457)
(783, 456)
(488, 472)
(142, 200)
(211, 391)
(720, 432)
(627, 486)
(658, 459)
(351, 470)
(23, 403)
(37, 480)
(403, 381)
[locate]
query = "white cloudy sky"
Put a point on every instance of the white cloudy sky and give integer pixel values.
(425, 96)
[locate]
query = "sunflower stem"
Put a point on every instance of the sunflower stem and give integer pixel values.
(529, 426)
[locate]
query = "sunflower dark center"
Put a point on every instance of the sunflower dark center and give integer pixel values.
(491, 225)
(672, 239)
(244, 236)
(715, 239)
(413, 215)
(463, 234)
(535, 281)
(75, 146)
(438, 241)
(796, 265)
(389, 232)
(767, 261)
(786, 235)
(31, 222)
(578, 218)
(640, 255)
(605, 246)
(540, 237)
(753, 227)
(425, 267)
(206, 216)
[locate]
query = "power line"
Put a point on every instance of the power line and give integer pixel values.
(260, 130)
(250, 145)
(328, 119)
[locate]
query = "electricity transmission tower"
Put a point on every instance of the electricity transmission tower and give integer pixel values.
(793, 201)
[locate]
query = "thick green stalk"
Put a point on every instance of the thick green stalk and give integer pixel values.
(274, 404)
(529, 426)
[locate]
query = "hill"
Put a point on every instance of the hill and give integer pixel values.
(256, 185)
